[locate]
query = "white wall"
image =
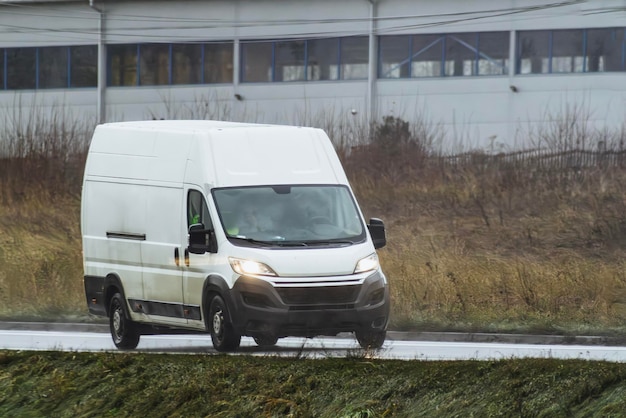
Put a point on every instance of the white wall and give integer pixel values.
(475, 112)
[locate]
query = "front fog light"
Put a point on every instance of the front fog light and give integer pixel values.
(250, 267)
(367, 264)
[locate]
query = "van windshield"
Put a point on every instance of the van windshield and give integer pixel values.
(299, 216)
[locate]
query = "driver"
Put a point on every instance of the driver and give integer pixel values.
(252, 221)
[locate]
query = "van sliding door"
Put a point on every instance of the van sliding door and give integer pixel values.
(162, 273)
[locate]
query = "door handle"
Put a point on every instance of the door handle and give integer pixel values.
(177, 257)
(186, 257)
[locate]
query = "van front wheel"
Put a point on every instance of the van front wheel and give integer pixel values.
(124, 332)
(223, 335)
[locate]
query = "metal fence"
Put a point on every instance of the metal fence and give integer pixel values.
(540, 159)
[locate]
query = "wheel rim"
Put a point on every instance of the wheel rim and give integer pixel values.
(117, 323)
(218, 322)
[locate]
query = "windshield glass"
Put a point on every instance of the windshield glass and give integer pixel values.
(289, 215)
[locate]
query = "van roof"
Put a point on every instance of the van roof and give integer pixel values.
(229, 153)
(185, 125)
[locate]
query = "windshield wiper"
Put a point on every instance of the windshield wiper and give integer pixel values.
(255, 241)
(306, 243)
(329, 242)
(291, 243)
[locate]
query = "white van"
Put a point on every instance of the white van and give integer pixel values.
(228, 228)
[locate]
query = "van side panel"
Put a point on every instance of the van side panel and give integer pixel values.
(115, 153)
(128, 153)
(132, 211)
(113, 231)
(161, 251)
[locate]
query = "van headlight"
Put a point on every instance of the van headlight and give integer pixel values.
(367, 264)
(250, 267)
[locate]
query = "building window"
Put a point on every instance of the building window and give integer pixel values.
(427, 55)
(464, 54)
(533, 52)
(354, 52)
(461, 54)
(49, 67)
(395, 56)
(21, 68)
(323, 59)
(218, 62)
(570, 51)
(154, 64)
(53, 68)
(122, 65)
(567, 51)
(202, 63)
(297, 60)
(493, 53)
(257, 60)
(2, 66)
(84, 66)
(187, 63)
(165, 64)
(604, 50)
(290, 61)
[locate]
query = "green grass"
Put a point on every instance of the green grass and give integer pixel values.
(159, 385)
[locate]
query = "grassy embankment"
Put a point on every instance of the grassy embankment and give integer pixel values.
(128, 385)
(473, 244)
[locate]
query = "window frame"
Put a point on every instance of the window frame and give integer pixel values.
(12, 71)
(204, 213)
(44, 83)
(75, 66)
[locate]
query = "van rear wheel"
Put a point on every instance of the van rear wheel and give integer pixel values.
(223, 335)
(123, 330)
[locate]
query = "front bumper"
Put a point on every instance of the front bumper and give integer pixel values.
(259, 308)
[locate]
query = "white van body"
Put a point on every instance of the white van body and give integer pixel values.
(165, 207)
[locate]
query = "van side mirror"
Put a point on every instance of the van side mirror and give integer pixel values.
(377, 231)
(201, 240)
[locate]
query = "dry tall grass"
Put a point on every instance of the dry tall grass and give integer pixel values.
(42, 156)
(527, 241)
(518, 242)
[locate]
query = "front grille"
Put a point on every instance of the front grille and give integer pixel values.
(321, 307)
(313, 296)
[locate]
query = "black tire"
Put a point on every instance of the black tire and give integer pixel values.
(371, 339)
(265, 340)
(223, 335)
(123, 330)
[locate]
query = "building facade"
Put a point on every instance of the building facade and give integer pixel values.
(486, 73)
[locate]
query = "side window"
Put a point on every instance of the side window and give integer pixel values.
(197, 210)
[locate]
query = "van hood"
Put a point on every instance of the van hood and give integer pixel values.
(309, 262)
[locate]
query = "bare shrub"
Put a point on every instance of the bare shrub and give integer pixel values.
(42, 149)
(203, 107)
